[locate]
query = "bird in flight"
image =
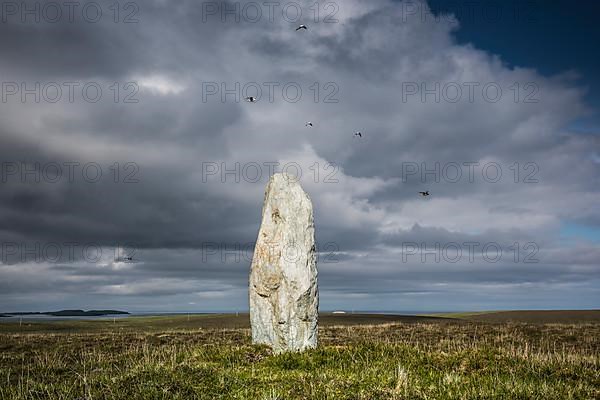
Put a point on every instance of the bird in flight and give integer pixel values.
(251, 99)
(424, 194)
(301, 27)
(358, 134)
(309, 124)
(124, 259)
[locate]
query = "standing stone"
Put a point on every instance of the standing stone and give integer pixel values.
(284, 299)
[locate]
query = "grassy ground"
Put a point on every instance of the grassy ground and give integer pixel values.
(211, 357)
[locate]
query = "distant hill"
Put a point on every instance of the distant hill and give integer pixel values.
(73, 313)
(529, 316)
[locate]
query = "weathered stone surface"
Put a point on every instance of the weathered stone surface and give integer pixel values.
(284, 299)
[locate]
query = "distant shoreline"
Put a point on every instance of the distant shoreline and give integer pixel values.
(67, 313)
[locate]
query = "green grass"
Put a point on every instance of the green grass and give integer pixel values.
(177, 358)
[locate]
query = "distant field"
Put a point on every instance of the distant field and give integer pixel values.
(360, 356)
(194, 321)
(532, 316)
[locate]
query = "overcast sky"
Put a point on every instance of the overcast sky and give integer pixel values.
(169, 163)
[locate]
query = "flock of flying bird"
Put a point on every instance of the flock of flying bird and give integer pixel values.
(252, 99)
(309, 124)
(357, 134)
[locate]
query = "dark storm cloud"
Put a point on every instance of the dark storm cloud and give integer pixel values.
(185, 225)
(142, 37)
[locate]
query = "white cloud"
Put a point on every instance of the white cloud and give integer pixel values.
(160, 84)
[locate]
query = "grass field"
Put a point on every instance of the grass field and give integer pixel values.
(517, 355)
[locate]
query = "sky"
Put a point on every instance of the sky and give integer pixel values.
(124, 133)
(550, 36)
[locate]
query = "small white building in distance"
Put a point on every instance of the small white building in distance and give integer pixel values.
(339, 312)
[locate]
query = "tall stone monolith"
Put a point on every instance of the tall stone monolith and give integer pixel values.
(284, 299)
